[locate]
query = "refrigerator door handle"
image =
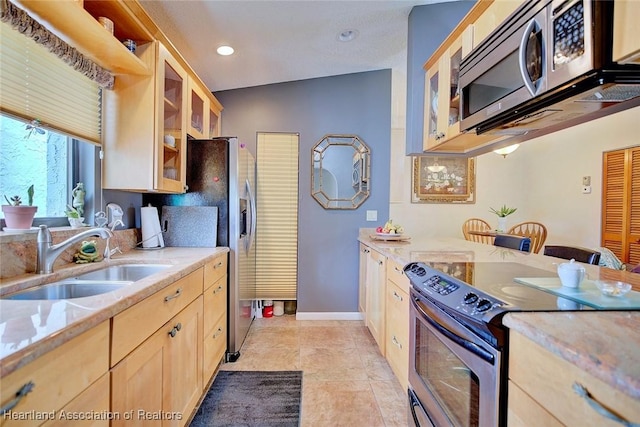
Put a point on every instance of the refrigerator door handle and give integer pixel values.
(251, 216)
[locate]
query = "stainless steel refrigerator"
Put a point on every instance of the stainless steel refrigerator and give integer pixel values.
(221, 172)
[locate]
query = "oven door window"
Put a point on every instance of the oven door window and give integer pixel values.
(453, 384)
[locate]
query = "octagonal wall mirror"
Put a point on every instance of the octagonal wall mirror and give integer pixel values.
(341, 172)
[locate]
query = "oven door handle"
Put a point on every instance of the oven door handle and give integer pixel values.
(472, 347)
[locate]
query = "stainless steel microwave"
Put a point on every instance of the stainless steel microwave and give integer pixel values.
(548, 63)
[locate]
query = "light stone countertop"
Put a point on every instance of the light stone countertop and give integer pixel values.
(605, 344)
(28, 329)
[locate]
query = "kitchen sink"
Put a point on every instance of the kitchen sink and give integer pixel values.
(88, 284)
(126, 272)
(66, 289)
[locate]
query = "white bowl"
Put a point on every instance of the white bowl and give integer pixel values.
(613, 288)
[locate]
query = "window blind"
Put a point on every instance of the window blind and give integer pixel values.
(36, 84)
(277, 216)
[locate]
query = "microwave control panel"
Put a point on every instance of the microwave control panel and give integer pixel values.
(568, 34)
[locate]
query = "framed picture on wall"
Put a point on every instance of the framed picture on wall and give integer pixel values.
(442, 179)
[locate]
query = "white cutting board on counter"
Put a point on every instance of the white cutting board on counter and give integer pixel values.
(190, 226)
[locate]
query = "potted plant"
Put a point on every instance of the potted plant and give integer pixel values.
(503, 213)
(75, 220)
(18, 216)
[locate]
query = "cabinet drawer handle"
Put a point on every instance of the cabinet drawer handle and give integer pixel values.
(399, 270)
(395, 341)
(24, 390)
(396, 296)
(216, 290)
(379, 262)
(175, 330)
(366, 251)
(217, 333)
(176, 295)
(584, 393)
(218, 265)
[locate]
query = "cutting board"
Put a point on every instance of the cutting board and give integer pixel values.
(190, 226)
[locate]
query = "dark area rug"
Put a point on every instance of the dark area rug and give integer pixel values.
(252, 398)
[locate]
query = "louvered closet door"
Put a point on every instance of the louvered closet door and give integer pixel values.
(613, 202)
(633, 235)
(621, 204)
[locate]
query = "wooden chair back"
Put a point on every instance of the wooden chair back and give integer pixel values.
(476, 224)
(536, 231)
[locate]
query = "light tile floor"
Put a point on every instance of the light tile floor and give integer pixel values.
(346, 381)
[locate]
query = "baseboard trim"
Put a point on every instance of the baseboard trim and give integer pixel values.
(329, 316)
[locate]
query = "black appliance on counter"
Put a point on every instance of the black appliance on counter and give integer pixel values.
(458, 347)
(221, 172)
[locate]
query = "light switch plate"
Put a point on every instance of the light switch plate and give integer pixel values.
(586, 181)
(372, 215)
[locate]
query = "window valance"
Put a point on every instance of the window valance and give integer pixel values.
(26, 25)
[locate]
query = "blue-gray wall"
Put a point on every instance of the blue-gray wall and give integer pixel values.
(429, 25)
(347, 104)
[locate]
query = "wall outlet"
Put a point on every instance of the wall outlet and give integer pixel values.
(372, 215)
(586, 189)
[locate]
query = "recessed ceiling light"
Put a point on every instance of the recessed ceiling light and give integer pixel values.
(347, 35)
(225, 50)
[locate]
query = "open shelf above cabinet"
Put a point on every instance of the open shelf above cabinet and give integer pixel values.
(78, 26)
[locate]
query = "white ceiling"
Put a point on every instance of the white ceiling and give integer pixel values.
(279, 41)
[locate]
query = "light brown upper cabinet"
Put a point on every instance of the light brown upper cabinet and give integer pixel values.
(442, 117)
(626, 42)
(145, 131)
(441, 129)
(620, 204)
(215, 109)
(198, 121)
(492, 17)
(204, 112)
(77, 24)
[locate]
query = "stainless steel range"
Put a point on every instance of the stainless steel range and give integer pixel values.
(458, 345)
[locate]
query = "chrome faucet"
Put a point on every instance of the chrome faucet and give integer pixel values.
(47, 253)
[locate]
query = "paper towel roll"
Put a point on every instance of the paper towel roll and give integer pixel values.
(150, 224)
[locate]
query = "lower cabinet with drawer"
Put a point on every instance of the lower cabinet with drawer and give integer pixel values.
(215, 316)
(156, 356)
(397, 321)
(160, 382)
(56, 379)
(384, 302)
(542, 390)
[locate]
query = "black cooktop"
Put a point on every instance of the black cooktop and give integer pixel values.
(497, 280)
(459, 283)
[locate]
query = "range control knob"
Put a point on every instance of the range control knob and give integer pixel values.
(470, 298)
(483, 305)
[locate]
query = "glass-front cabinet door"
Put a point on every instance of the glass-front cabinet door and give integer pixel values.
(431, 106)
(453, 118)
(171, 152)
(214, 121)
(198, 121)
